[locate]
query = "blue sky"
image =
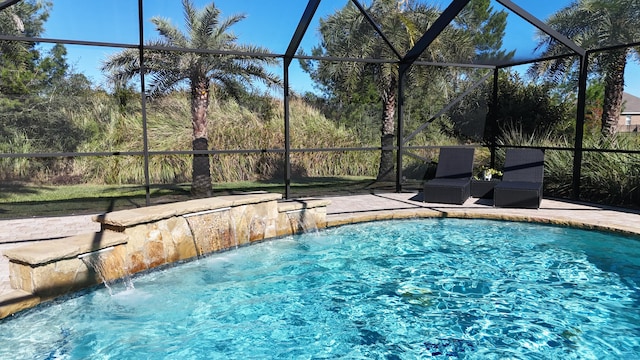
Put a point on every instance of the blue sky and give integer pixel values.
(269, 23)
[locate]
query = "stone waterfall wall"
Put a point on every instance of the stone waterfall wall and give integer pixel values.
(137, 240)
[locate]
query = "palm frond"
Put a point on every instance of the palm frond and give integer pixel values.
(123, 66)
(229, 85)
(162, 81)
(223, 36)
(172, 35)
(190, 15)
(209, 20)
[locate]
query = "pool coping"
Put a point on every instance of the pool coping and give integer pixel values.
(376, 207)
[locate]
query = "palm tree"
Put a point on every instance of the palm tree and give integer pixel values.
(594, 24)
(348, 34)
(477, 32)
(201, 71)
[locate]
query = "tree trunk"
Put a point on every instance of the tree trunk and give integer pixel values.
(201, 183)
(387, 163)
(386, 171)
(614, 63)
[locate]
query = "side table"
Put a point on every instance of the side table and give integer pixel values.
(483, 189)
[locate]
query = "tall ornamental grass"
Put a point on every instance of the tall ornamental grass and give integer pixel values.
(232, 127)
(612, 178)
(15, 168)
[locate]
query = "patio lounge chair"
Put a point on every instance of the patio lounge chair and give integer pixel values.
(452, 182)
(521, 185)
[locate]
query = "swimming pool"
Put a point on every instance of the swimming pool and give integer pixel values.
(431, 288)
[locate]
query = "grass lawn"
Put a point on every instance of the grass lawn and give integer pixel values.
(29, 200)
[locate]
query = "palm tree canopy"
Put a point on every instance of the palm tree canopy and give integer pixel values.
(595, 24)
(211, 39)
(591, 24)
(348, 34)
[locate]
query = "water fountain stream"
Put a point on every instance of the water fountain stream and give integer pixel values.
(99, 262)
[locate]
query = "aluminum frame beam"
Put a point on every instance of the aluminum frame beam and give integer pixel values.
(542, 26)
(405, 64)
(376, 27)
(301, 30)
(296, 39)
(432, 33)
(5, 4)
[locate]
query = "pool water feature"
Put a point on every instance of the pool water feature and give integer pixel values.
(431, 288)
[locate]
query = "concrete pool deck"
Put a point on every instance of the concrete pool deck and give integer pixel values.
(351, 209)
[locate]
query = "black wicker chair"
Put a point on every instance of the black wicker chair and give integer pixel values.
(452, 182)
(521, 185)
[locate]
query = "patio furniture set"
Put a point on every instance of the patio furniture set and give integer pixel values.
(520, 187)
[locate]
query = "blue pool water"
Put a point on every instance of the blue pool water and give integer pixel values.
(415, 289)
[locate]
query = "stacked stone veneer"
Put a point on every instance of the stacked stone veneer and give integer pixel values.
(136, 240)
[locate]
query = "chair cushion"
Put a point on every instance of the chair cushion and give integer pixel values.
(519, 185)
(448, 182)
(447, 191)
(525, 165)
(518, 194)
